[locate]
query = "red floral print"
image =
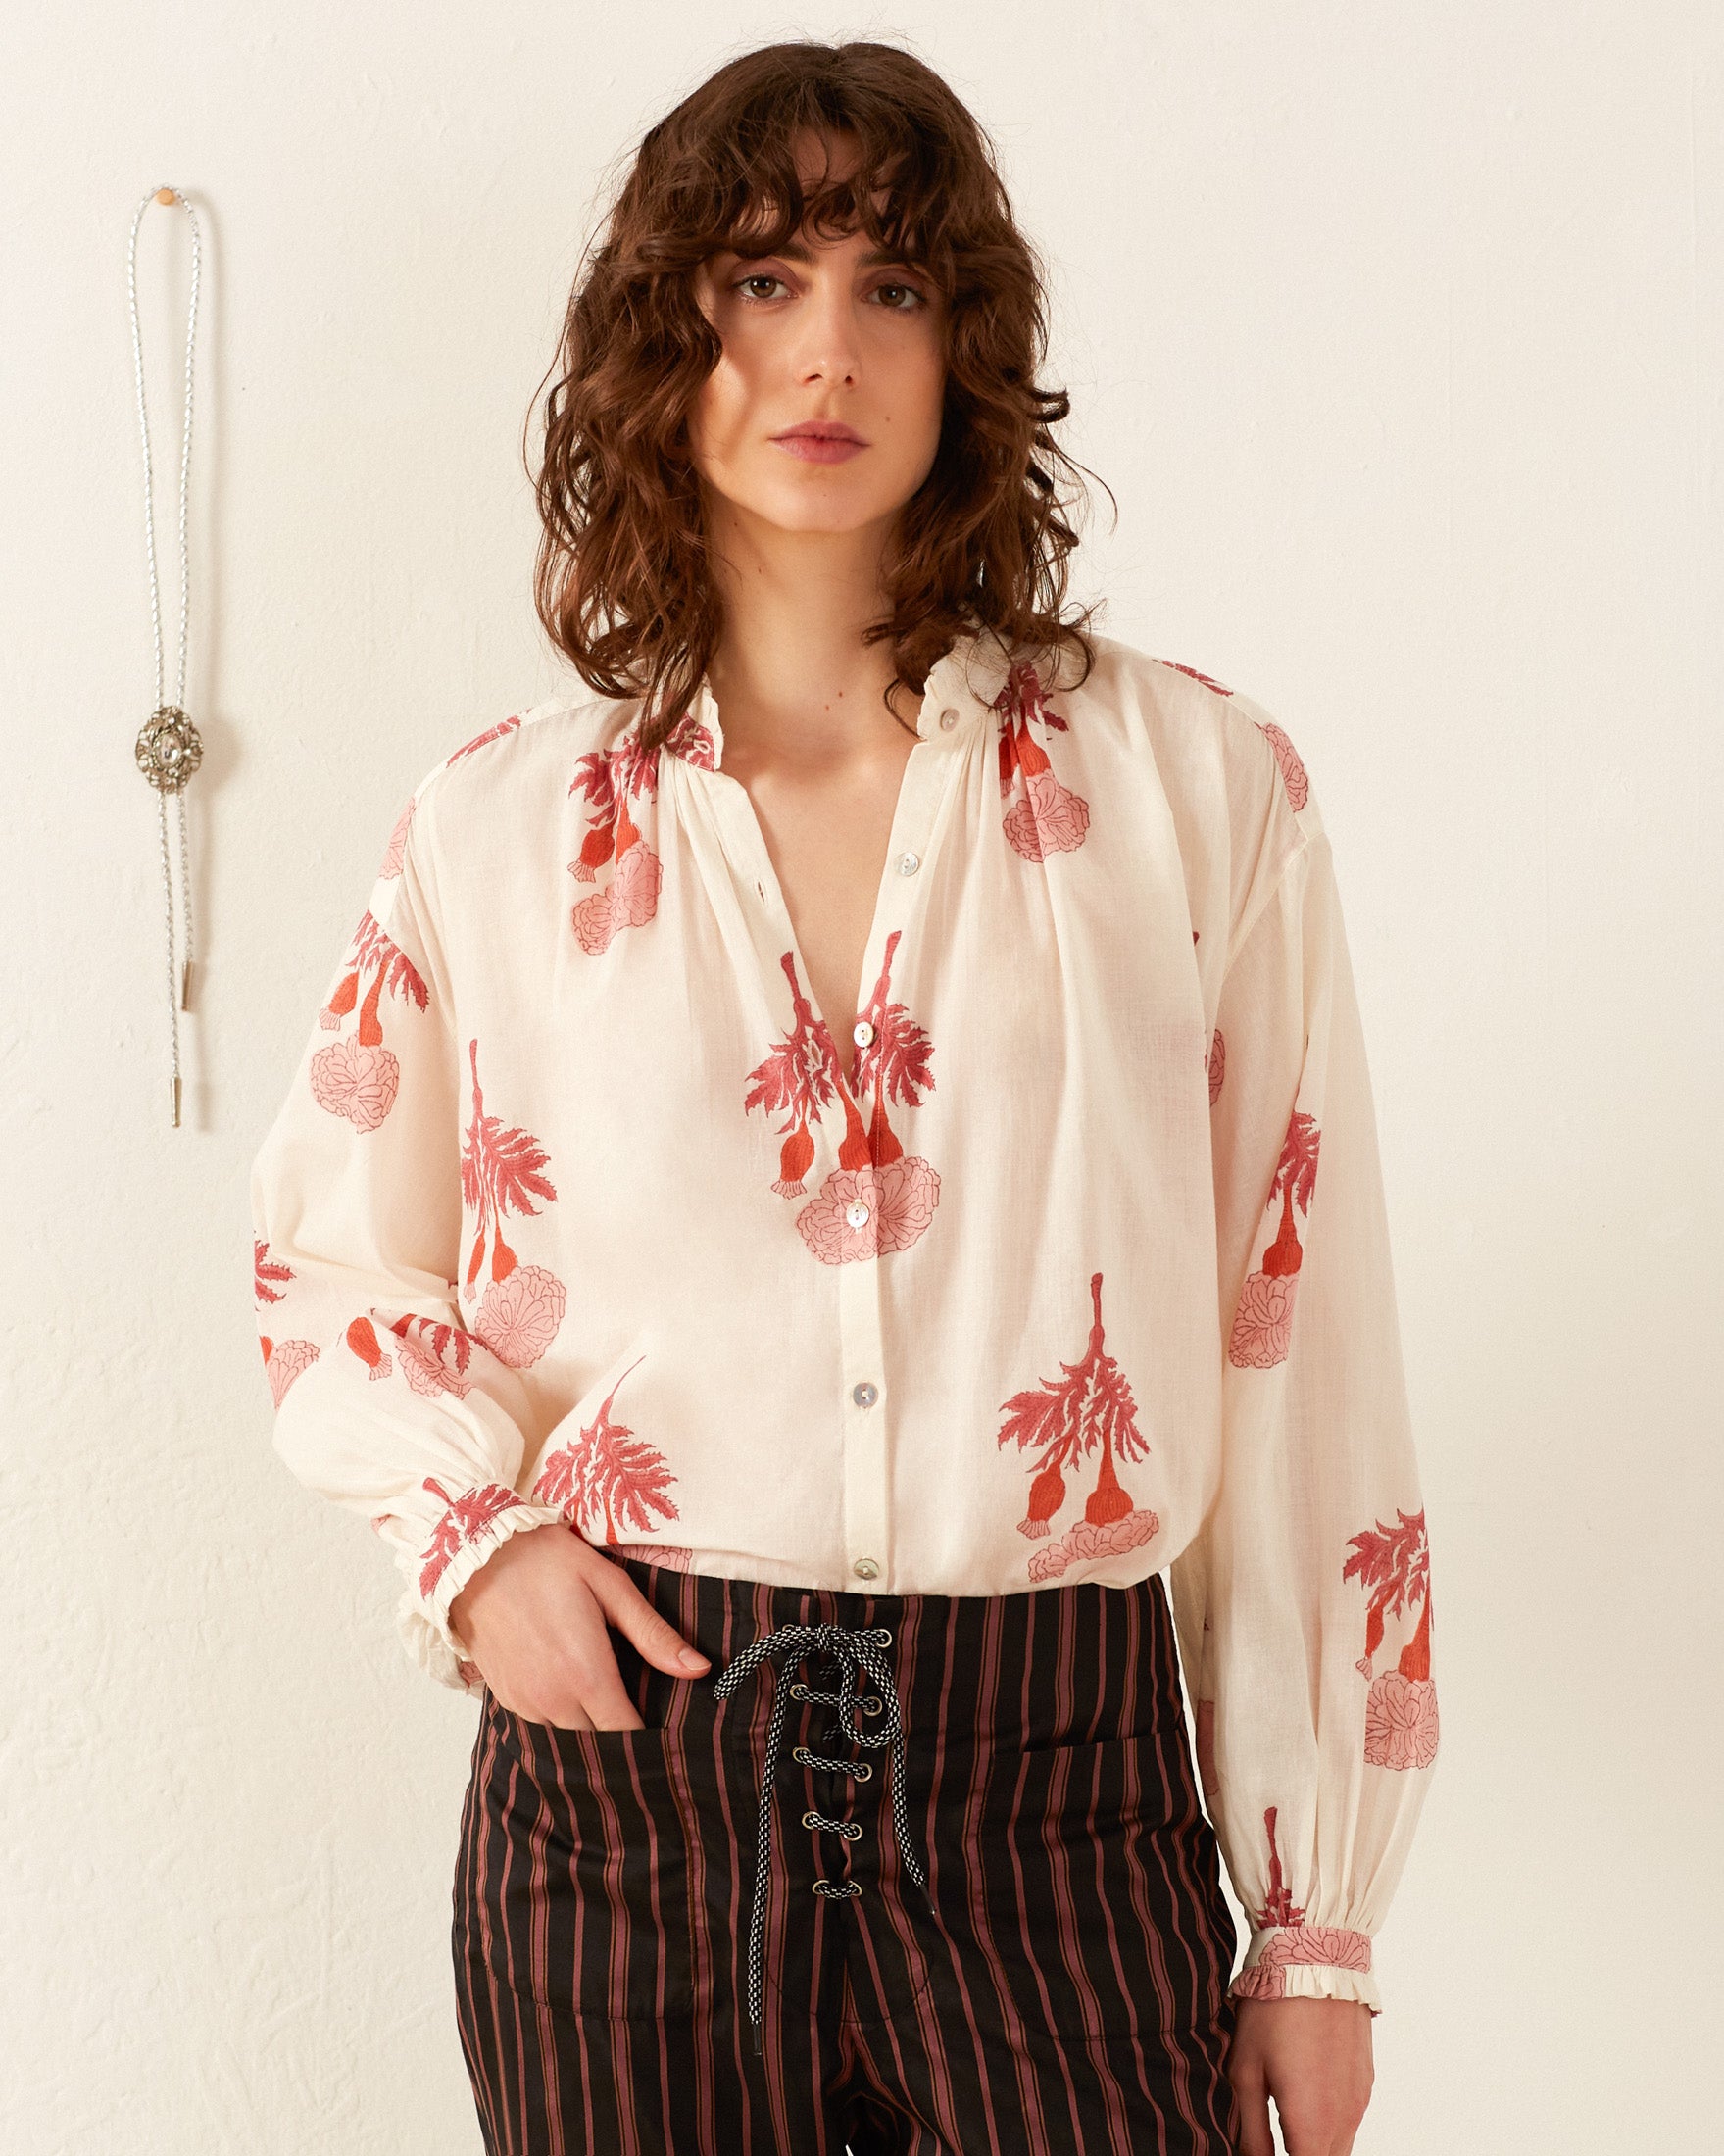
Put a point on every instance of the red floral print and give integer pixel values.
(1293, 773)
(608, 1471)
(1329, 1946)
(395, 852)
(1393, 1565)
(1208, 682)
(523, 1304)
(1294, 1943)
(269, 1275)
(1280, 1907)
(608, 778)
(1215, 1063)
(361, 1337)
(1046, 817)
(1263, 1323)
(283, 1361)
(359, 1077)
(1401, 1721)
(480, 741)
(878, 1197)
(466, 1517)
(1065, 1419)
(799, 1079)
(433, 1354)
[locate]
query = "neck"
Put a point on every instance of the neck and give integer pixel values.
(792, 675)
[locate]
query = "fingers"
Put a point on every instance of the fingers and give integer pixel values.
(1255, 2135)
(543, 1632)
(657, 1639)
(1310, 2057)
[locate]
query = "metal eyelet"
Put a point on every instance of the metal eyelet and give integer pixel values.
(798, 1691)
(801, 1755)
(852, 1832)
(870, 1706)
(883, 1633)
(811, 1819)
(863, 1772)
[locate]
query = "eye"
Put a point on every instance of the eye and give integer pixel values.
(901, 299)
(754, 278)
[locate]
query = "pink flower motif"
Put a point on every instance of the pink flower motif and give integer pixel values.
(1293, 771)
(518, 1318)
(894, 1204)
(630, 897)
(1401, 1721)
(1301, 1946)
(1217, 1065)
(390, 865)
(1262, 1324)
(1046, 817)
(426, 1373)
(634, 888)
(285, 1362)
(1087, 1540)
(350, 1079)
(592, 921)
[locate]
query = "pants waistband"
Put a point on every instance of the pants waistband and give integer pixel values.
(1071, 1663)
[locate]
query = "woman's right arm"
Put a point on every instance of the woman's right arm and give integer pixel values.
(384, 1402)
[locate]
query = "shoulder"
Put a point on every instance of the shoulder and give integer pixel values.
(489, 776)
(1221, 755)
(1186, 716)
(1238, 795)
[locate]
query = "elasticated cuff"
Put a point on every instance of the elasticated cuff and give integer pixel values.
(1308, 1961)
(475, 1525)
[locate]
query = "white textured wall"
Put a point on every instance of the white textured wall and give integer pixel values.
(1398, 333)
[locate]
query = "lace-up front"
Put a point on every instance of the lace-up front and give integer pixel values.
(855, 1648)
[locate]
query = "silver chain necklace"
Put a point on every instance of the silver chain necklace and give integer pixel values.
(168, 749)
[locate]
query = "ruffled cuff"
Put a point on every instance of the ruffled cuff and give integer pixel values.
(1308, 1961)
(476, 1523)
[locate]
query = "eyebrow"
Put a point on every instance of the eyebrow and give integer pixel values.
(795, 250)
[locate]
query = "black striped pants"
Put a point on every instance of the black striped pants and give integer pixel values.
(1057, 1989)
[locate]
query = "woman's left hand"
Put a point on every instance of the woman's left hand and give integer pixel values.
(1314, 2057)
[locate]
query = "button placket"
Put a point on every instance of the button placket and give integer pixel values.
(930, 777)
(867, 1545)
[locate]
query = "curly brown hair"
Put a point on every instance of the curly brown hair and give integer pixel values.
(622, 582)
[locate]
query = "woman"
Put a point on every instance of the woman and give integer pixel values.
(806, 1090)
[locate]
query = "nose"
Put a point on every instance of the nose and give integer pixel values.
(828, 347)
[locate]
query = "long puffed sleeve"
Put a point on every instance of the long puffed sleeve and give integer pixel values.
(384, 1402)
(1303, 1603)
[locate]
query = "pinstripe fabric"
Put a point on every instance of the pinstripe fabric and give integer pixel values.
(1067, 1995)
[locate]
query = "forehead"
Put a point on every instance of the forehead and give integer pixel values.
(824, 165)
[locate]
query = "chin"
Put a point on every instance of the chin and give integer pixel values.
(798, 510)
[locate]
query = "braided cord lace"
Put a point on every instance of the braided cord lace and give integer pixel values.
(857, 1650)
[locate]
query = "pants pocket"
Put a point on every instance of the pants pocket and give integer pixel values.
(572, 1887)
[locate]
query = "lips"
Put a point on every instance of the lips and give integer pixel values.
(821, 441)
(821, 430)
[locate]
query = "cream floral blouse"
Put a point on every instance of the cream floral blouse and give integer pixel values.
(1068, 1262)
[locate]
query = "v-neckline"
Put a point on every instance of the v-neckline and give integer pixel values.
(904, 807)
